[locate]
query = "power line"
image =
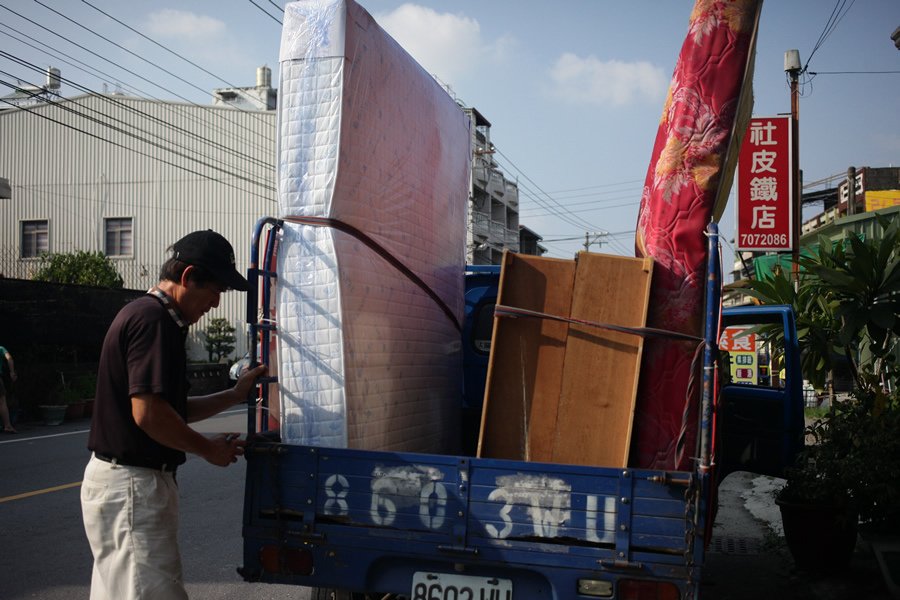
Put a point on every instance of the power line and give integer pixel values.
(837, 14)
(166, 124)
(206, 110)
(135, 54)
(584, 210)
(852, 72)
(104, 58)
(166, 48)
(593, 187)
(574, 221)
(265, 12)
(117, 144)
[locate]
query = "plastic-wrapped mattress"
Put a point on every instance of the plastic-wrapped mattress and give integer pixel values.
(373, 167)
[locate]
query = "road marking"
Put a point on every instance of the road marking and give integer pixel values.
(16, 438)
(42, 437)
(39, 492)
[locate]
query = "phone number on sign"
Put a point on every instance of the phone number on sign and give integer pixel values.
(764, 239)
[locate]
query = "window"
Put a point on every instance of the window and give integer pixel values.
(35, 238)
(118, 237)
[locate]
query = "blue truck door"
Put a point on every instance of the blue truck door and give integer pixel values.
(760, 422)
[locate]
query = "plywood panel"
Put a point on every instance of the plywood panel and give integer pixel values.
(599, 378)
(526, 363)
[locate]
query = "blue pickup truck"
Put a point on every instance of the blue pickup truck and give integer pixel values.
(356, 524)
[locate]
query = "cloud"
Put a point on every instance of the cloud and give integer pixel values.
(448, 45)
(606, 83)
(172, 23)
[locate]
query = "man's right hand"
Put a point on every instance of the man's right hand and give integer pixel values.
(224, 449)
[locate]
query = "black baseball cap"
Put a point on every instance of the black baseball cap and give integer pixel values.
(211, 251)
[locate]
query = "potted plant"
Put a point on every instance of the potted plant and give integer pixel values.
(53, 412)
(819, 510)
(67, 396)
(86, 388)
(847, 303)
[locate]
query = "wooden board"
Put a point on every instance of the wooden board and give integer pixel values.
(559, 392)
(600, 373)
(524, 376)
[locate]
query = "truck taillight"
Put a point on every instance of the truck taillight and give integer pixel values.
(285, 561)
(636, 589)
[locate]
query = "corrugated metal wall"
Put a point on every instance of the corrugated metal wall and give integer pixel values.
(171, 167)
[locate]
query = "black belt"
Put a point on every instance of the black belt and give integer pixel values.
(146, 464)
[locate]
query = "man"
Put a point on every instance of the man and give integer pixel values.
(6, 379)
(139, 433)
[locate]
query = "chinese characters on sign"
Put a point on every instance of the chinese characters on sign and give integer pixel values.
(742, 348)
(764, 216)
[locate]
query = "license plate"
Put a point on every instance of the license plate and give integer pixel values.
(443, 586)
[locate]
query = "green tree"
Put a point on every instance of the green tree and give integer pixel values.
(220, 339)
(848, 303)
(79, 268)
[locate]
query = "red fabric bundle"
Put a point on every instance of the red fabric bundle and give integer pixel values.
(687, 185)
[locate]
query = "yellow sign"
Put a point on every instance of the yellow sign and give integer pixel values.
(882, 199)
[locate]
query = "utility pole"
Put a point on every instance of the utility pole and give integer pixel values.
(593, 237)
(793, 69)
(851, 191)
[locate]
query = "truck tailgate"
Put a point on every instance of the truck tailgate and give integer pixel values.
(368, 521)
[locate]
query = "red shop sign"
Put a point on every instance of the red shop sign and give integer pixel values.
(764, 216)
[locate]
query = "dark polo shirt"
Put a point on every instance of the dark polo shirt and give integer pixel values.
(144, 352)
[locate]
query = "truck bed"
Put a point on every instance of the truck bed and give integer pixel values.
(368, 521)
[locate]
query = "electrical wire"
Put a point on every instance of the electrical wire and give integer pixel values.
(190, 115)
(136, 55)
(30, 110)
(837, 15)
(169, 50)
(265, 12)
(531, 215)
(157, 120)
(562, 212)
(593, 187)
(852, 72)
(188, 154)
(106, 59)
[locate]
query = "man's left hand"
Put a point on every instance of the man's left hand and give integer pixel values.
(246, 381)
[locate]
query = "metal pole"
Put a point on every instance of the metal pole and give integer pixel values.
(795, 175)
(851, 191)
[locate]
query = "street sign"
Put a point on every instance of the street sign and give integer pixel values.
(764, 221)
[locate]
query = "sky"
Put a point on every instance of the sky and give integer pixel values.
(573, 88)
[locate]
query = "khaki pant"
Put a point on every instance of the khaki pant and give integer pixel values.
(131, 521)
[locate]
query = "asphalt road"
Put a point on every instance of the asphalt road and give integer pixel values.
(45, 555)
(44, 551)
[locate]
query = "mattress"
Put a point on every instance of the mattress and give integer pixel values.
(686, 187)
(373, 179)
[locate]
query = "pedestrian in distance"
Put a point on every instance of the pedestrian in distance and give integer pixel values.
(139, 432)
(7, 377)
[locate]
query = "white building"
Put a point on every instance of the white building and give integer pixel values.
(129, 176)
(494, 213)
